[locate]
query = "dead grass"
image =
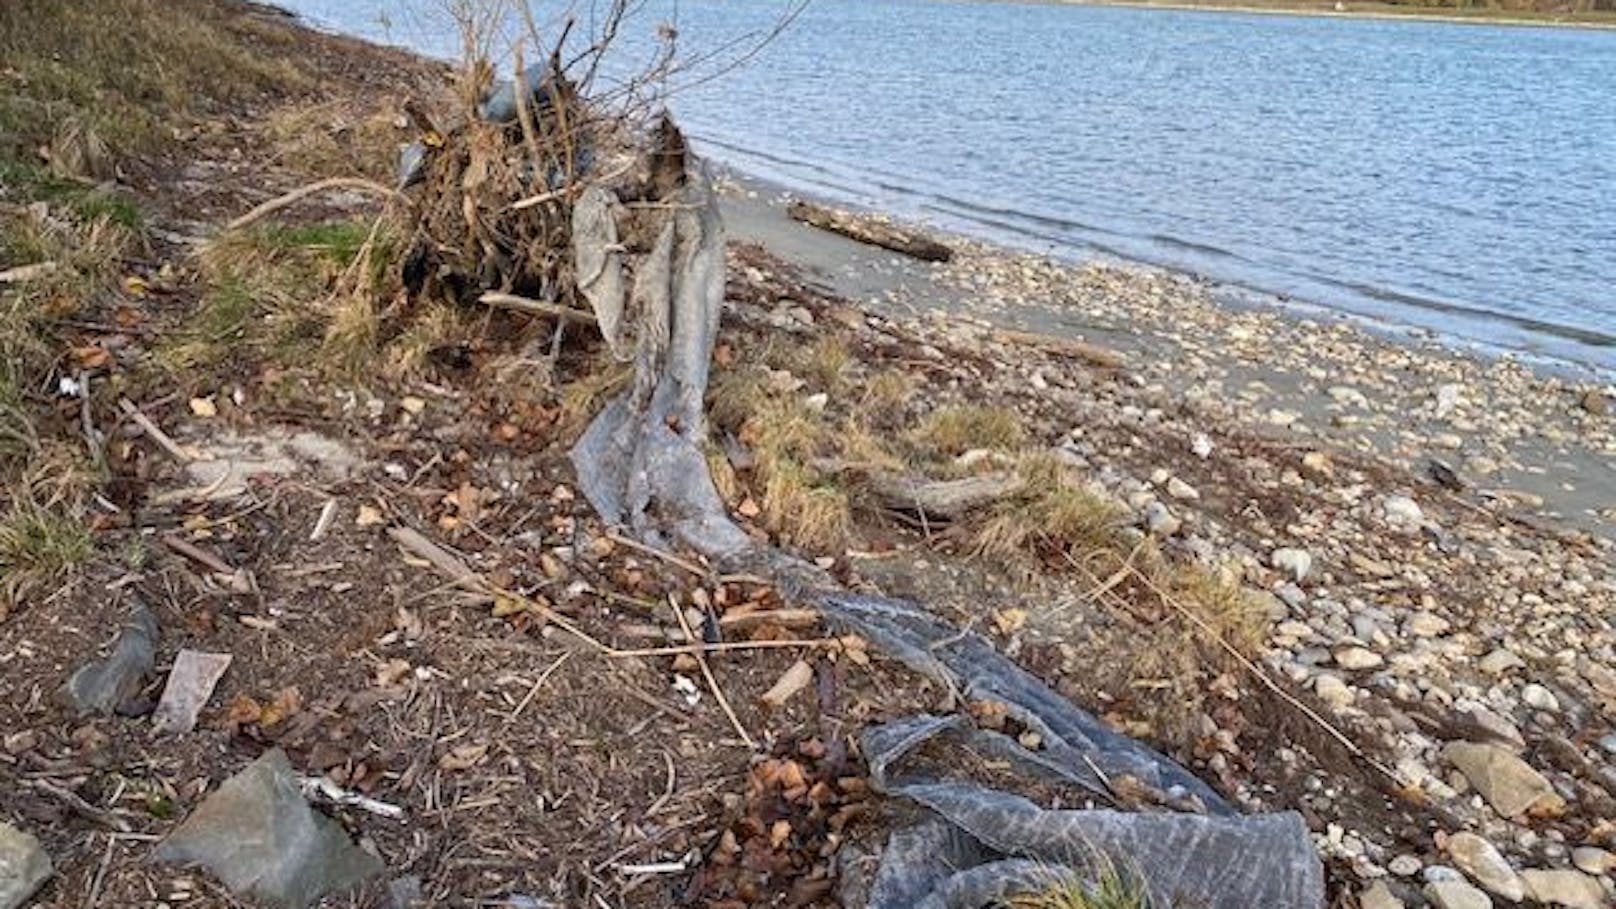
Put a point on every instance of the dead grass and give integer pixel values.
(1054, 516)
(804, 506)
(960, 428)
(324, 138)
(271, 294)
(124, 70)
(1111, 889)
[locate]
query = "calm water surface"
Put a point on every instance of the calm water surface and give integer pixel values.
(1456, 177)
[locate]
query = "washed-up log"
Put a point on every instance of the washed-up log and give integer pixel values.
(1092, 354)
(869, 231)
(947, 499)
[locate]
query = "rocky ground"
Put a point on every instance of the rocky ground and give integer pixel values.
(491, 699)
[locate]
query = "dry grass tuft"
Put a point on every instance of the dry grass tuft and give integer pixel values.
(1054, 516)
(1111, 889)
(885, 396)
(955, 430)
(324, 139)
(800, 504)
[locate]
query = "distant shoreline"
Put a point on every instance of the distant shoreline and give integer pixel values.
(1386, 11)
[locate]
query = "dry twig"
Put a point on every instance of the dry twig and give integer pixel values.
(707, 673)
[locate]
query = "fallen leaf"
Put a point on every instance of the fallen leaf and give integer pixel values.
(243, 711)
(287, 703)
(1010, 620)
(463, 757)
(392, 672)
(92, 356)
(792, 681)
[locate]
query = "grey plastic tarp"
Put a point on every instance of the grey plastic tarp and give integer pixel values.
(641, 466)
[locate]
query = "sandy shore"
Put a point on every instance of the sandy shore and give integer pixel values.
(1540, 440)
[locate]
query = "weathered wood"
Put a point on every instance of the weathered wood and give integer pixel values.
(536, 307)
(946, 499)
(866, 230)
(1093, 354)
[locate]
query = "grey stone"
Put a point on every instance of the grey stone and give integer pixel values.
(103, 686)
(1508, 783)
(1354, 658)
(1565, 887)
(259, 836)
(1456, 895)
(1379, 896)
(1486, 865)
(24, 867)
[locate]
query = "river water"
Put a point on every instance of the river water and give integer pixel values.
(1460, 178)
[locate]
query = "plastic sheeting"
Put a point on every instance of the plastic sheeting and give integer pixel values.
(641, 466)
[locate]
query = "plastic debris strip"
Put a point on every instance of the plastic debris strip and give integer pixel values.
(641, 465)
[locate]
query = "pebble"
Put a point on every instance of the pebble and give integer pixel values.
(1500, 661)
(1402, 511)
(1486, 865)
(1379, 896)
(1593, 859)
(1405, 865)
(1357, 658)
(1540, 698)
(1159, 520)
(1296, 563)
(1427, 625)
(1456, 895)
(1333, 691)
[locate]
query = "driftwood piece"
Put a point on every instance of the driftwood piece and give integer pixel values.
(949, 499)
(866, 230)
(1090, 353)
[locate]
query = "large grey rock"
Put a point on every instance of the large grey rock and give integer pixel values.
(1486, 866)
(24, 866)
(102, 686)
(259, 836)
(1508, 783)
(1565, 887)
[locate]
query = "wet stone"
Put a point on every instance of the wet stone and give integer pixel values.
(259, 836)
